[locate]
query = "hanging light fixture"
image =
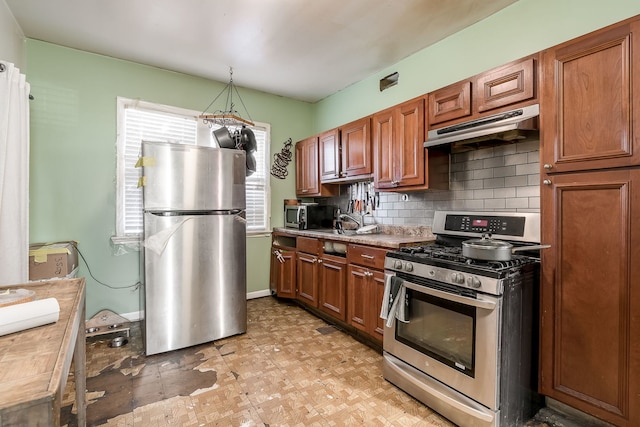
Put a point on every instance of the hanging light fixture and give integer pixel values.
(243, 137)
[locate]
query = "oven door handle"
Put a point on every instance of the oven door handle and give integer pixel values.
(479, 302)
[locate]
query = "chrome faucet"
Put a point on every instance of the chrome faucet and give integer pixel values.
(353, 218)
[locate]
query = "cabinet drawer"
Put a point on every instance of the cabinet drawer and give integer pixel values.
(506, 85)
(366, 255)
(279, 240)
(308, 245)
(449, 103)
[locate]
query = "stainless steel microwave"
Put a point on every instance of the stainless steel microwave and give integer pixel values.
(304, 217)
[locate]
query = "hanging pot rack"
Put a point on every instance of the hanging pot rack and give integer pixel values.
(229, 116)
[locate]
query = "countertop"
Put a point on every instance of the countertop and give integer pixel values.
(34, 363)
(391, 237)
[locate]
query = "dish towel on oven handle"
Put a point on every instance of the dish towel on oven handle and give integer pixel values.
(394, 301)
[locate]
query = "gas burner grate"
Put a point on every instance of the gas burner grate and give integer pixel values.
(453, 255)
(516, 261)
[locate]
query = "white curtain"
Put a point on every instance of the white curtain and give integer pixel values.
(14, 175)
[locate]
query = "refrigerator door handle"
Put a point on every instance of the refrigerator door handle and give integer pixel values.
(195, 213)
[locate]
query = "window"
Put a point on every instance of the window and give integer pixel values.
(138, 120)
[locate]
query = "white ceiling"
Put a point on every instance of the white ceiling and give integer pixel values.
(301, 49)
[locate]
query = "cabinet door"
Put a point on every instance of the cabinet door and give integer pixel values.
(355, 140)
(307, 182)
(505, 85)
(357, 297)
(329, 148)
(590, 103)
(378, 289)
(450, 103)
(283, 273)
(590, 330)
(398, 141)
(409, 145)
(383, 125)
(333, 288)
(308, 279)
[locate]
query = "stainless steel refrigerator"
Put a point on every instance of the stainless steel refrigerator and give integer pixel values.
(194, 245)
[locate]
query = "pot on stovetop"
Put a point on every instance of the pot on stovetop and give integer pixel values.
(488, 249)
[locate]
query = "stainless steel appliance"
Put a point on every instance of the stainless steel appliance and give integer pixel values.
(195, 245)
(467, 342)
(308, 216)
(511, 125)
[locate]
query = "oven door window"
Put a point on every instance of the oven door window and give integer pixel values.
(441, 329)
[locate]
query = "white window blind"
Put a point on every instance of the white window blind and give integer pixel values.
(256, 184)
(137, 121)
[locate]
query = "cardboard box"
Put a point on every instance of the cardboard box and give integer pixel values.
(50, 260)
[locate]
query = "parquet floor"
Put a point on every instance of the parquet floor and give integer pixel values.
(289, 369)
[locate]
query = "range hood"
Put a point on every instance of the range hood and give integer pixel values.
(510, 126)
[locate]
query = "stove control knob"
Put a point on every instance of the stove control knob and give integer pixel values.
(432, 273)
(398, 265)
(474, 282)
(457, 278)
(408, 266)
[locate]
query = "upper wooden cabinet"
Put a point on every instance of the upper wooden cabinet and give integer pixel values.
(400, 160)
(329, 148)
(505, 85)
(345, 153)
(355, 139)
(450, 103)
(307, 167)
(590, 101)
(307, 170)
(509, 86)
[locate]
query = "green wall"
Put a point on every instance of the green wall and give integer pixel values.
(523, 28)
(73, 157)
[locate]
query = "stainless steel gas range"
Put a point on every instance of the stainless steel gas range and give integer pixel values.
(462, 334)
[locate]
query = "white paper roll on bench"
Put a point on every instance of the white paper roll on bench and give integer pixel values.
(28, 315)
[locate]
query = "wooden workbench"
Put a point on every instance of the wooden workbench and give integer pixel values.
(35, 363)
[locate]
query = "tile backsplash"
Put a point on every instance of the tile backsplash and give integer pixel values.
(501, 178)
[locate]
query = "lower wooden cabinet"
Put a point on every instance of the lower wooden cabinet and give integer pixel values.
(365, 290)
(308, 279)
(590, 293)
(282, 277)
(348, 288)
(333, 287)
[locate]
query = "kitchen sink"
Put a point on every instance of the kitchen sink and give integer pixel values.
(343, 233)
(349, 232)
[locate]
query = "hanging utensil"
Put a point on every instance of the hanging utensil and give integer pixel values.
(249, 142)
(223, 137)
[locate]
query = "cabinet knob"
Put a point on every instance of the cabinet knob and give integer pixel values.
(304, 191)
(547, 182)
(547, 166)
(319, 261)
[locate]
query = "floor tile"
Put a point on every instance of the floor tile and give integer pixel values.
(289, 369)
